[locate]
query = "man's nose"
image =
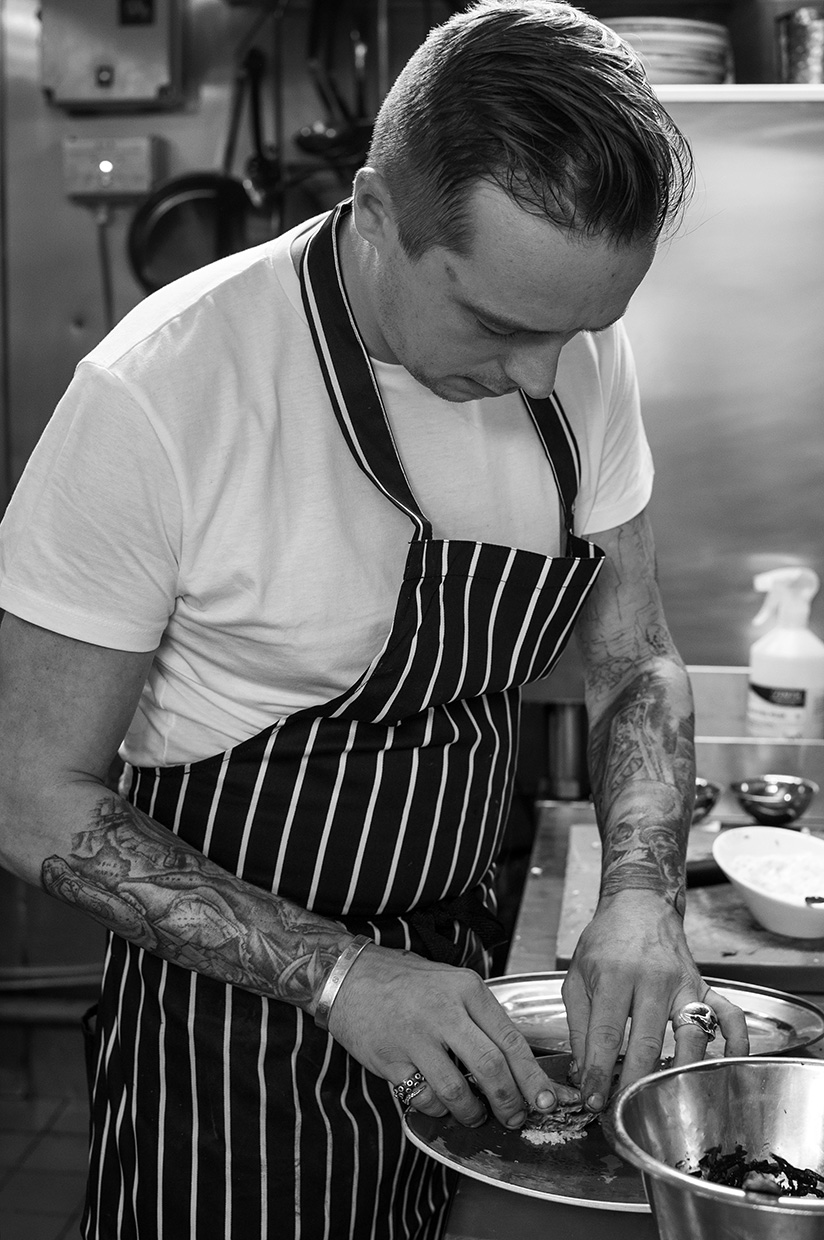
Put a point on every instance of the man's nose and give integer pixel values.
(532, 365)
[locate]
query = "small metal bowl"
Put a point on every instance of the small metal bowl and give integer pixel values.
(775, 800)
(706, 794)
(665, 1123)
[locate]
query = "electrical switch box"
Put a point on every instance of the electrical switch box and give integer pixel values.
(111, 55)
(111, 169)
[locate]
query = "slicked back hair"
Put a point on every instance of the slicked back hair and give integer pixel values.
(543, 100)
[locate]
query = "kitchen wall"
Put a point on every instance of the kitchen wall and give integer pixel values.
(727, 330)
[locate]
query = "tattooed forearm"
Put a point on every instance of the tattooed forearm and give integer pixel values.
(639, 702)
(642, 769)
(142, 882)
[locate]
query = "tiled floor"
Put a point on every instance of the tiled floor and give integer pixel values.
(43, 1144)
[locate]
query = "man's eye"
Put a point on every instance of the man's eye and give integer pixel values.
(493, 331)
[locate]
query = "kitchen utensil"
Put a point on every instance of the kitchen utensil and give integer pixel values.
(775, 870)
(777, 1023)
(768, 1106)
(194, 218)
(801, 45)
(582, 1172)
(567, 735)
(706, 794)
(775, 800)
(344, 132)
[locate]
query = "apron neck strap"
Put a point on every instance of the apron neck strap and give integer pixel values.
(561, 448)
(348, 375)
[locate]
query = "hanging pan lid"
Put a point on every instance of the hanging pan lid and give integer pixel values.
(198, 217)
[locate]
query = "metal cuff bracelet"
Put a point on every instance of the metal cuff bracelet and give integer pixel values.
(334, 981)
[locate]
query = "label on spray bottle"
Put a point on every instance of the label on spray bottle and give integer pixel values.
(776, 712)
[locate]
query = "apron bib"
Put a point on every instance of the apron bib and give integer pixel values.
(221, 1115)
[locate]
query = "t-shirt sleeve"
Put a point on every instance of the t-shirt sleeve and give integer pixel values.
(90, 543)
(622, 483)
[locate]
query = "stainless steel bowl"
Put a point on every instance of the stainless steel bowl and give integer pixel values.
(769, 1106)
(775, 800)
(706, 794)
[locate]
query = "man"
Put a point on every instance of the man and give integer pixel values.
(301, 527)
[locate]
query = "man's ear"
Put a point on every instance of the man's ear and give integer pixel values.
(372, 211)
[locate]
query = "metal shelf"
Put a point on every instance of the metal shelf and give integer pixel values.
(742, 92)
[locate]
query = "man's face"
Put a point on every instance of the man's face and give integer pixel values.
(496, 320)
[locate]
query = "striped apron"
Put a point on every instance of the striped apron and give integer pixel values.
(220, 1114)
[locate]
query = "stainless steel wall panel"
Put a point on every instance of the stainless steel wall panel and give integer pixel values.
(728, 330)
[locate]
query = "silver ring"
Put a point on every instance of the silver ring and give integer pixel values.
(410, 1088)
(700, 1014)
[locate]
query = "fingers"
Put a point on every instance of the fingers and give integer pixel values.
(690, 1045)
(505, 1068)
(399, 1014)
(691, 1041)
(597, 1027)
(646, 1036)
(733, 1024)
(451, 1091)
(502, 1069)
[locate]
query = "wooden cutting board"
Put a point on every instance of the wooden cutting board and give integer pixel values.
(724, 939)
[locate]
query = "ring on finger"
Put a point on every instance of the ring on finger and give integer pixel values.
(410, 1088)
(698, 1014)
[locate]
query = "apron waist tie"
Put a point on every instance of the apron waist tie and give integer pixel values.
(432, 928)
(435, 925)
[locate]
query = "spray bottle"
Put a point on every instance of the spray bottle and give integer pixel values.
(785, 697)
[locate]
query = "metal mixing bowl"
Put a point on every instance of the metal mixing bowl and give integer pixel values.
(775, 800)
(769, 1106)
(706, 794)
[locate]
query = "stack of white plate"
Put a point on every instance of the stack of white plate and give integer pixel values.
(674, 49)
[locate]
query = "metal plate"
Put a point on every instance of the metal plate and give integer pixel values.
(586, 1172)
(778, 1023)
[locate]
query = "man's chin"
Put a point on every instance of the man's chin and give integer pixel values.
(460, 389)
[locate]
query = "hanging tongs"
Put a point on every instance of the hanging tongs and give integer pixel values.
(263, 174)
(344, 132)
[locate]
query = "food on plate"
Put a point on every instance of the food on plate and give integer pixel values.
(566, 1123)
(772, 1175)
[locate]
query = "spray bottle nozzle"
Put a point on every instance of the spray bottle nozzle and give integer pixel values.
(789, 594)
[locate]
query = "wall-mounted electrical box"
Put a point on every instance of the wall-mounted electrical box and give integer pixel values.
(111, 55)
(111, 169)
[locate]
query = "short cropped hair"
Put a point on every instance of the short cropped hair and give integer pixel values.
(543, 100)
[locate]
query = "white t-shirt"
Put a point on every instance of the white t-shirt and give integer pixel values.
(193, 494)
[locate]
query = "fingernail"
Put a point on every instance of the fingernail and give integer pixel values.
(515, 1121)
(476, 1123)
(595, 1102)
(545, 1100)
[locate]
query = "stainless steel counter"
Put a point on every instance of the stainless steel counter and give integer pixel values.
(481, 1211)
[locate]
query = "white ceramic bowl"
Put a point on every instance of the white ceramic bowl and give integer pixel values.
(774, 869)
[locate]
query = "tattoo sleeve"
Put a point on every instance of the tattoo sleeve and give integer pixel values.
(641, 753)
(139, 880)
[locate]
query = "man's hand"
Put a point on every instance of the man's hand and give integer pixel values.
(632, 962)
(398, 1013)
